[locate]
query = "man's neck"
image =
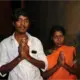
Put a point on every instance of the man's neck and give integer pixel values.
(19, 36)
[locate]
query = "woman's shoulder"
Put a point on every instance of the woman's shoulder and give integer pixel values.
(69, 47)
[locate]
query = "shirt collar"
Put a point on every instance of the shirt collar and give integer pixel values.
(29, 38)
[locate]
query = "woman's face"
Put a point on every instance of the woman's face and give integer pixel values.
(58, 38)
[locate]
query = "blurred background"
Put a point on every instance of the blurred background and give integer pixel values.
(44, 14)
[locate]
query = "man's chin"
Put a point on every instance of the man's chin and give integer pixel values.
(22, 32)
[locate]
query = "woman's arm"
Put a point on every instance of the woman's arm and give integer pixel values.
(72, 69)
(51, 71)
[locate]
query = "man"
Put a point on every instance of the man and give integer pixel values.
(22, 54)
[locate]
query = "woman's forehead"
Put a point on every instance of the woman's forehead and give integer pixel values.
(58, 33)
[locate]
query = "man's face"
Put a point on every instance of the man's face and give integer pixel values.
(22, 24)
(58, 38)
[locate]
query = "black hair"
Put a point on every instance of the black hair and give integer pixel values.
(18, 12)
(57, 28)
(52, 31)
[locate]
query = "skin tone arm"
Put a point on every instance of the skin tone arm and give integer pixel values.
(51, 71)
(37, 63)
(60, 63)
(72, 69)
(8, 67)
(23, 54)
(11, 65)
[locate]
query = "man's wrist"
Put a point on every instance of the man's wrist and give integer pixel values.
(28, 58)
(19, 58)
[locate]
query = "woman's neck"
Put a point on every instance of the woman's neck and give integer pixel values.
(56, 47)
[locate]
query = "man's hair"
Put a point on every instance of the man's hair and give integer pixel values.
(18, 12)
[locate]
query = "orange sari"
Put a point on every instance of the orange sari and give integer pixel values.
(61, 73)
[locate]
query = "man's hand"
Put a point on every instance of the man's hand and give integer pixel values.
(24, 49)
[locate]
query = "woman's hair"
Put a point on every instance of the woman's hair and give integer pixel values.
(57, 28)
(52, 31)
(18, 12)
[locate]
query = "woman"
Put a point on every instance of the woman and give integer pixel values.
(61, 58)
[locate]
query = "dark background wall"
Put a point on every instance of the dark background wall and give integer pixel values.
(5, 14)
(44, 14)
(33, 7)
(48, 13)
(6, 8)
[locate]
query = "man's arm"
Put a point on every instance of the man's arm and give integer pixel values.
(8, 67)
(41, 60)
(37, 63)
(5, 66)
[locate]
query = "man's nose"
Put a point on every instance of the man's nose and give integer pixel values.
(22, 23)
(59, 38)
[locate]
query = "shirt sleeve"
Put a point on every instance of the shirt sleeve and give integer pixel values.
(41, 54)
(3, 54)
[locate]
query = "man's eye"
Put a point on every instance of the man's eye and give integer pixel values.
(26, 20)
